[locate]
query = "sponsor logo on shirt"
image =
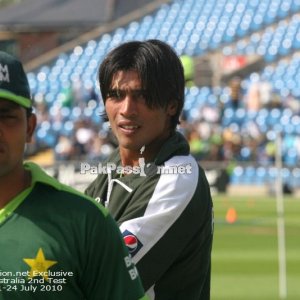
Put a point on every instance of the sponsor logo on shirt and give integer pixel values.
(132, 242)
(132, 270)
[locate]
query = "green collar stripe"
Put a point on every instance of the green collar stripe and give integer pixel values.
(12, 205)
(38, 175)
(15, 98)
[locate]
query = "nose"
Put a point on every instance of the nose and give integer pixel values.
(128, 106)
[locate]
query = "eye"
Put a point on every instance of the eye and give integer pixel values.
(115, 94)
(7, 116)
(140, 94)
(8, 119)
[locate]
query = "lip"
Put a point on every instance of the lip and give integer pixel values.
(128, 128)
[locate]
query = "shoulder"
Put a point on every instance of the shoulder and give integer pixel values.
(182, 169)
(65, 198)
(182, 181)
(175, 183)
(49, 192)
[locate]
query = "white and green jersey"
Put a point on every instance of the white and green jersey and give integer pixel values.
(56, 243)
(164, 210)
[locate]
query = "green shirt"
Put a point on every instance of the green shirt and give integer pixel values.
(56, 243)
(165, 214)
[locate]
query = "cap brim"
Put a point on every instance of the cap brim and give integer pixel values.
(15, 98)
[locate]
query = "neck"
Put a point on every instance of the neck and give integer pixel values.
(13, 184)
(130, 157)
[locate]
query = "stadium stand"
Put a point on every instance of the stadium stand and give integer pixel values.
(241, 134)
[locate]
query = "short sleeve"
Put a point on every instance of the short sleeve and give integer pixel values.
(108, 272)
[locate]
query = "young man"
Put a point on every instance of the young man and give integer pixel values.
(154, 188)
(55, 243)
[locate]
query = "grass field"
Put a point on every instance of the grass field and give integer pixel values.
(245, 253)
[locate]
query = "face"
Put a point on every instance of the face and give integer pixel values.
(132, 121)
(15, 131)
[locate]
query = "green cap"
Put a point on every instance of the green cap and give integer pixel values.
(13, 81)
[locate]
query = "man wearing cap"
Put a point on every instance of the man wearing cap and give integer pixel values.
(55, 243)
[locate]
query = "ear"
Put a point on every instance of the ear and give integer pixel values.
(31, 124)
(172, 108)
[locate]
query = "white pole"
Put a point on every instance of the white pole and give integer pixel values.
(280, 222)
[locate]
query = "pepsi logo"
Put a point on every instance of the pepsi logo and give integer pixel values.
(131, 242)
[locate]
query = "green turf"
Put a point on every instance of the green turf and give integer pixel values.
(245, 253)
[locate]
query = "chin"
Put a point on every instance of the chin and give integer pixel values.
(130, 146)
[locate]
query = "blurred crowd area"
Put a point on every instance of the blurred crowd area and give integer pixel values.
(235, 123)
(241, 123)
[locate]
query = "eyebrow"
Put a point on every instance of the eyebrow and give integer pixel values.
(127, 89)
(8, 107)
(117, 90)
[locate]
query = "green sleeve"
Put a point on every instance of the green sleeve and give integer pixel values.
(108, 272)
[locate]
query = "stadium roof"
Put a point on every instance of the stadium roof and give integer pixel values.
(45, 14)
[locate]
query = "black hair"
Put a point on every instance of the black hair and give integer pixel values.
(159, 68)
(29, 112)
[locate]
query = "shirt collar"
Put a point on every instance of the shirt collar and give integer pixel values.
(39, 175)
